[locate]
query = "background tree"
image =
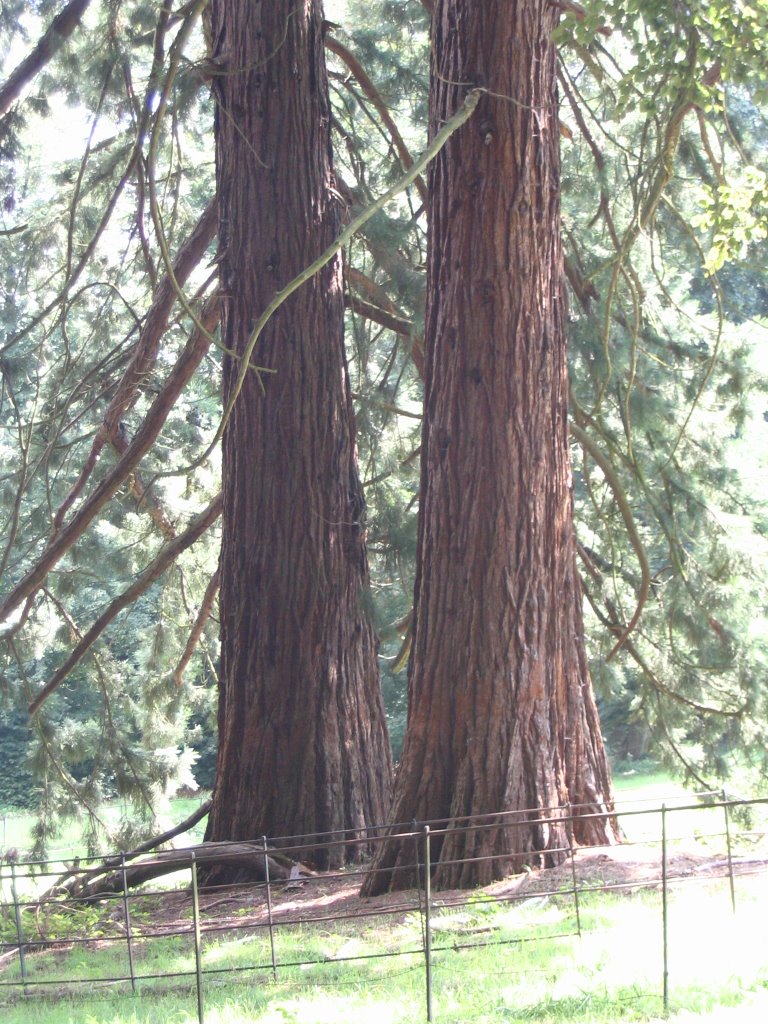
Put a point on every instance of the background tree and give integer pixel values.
(110, 393)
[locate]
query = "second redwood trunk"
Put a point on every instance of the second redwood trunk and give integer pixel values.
(501, 711)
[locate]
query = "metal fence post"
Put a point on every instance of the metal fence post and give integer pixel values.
(127, 916)
(269, 910)
(19, 932)
(427, 919)
(573, 871)
(664, 908)
(198, 950)
(730, 850)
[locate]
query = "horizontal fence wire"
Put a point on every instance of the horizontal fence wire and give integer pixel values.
(30, 890)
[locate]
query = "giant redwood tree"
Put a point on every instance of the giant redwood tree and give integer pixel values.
(501, 711)
(303, 746)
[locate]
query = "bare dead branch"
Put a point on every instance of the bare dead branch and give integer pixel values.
(380, 316)
(104, 879)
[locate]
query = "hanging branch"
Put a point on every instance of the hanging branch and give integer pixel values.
(206, 607)
(164, 558)
(131, 164)
(612, 623)
(629, 521)
(108, 724)
(60, 29)
(195, 9)
(43, 730)
(382, 109)
(145, 353)
(145, 436)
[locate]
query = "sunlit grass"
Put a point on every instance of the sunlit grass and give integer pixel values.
(487, 967)
(494, 962)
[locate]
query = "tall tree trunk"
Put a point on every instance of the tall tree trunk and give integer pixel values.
(303, 746)
(501, 711)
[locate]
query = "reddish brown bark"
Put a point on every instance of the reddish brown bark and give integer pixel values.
(302, 740)
(501, 711)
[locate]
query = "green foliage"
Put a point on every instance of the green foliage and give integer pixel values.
(665, 209)
(17, 784)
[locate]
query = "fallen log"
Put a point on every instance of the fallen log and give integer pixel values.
(107, 878)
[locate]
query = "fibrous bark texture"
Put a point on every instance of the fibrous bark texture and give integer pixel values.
(303, 747)
(501, 710)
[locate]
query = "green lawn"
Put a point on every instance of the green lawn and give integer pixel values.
(494, 962)
(16, 827)
(612, 973)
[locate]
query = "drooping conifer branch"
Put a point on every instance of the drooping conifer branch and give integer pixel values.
(60, 29)
(343, 53)
(87, 251)
(159, 564)
(629, 522)
(140, 444)
(146, 350)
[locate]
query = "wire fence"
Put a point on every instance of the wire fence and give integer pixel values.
(170, 935)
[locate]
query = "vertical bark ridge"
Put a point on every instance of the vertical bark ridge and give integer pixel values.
(501, 711)
(303, 746)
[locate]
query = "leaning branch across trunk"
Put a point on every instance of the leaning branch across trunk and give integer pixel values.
(451, 125)
(60, 29)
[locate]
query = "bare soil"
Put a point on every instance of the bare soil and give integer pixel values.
(335, 897)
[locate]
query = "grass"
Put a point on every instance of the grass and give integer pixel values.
(486, 967)
(493, 962)
(16, 827)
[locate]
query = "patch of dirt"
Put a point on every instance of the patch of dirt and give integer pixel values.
(333, 897)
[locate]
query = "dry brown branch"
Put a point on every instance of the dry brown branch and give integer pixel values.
(105, 879)
(60, 29)
(206, 607)
(370, 311)
(146, 500)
